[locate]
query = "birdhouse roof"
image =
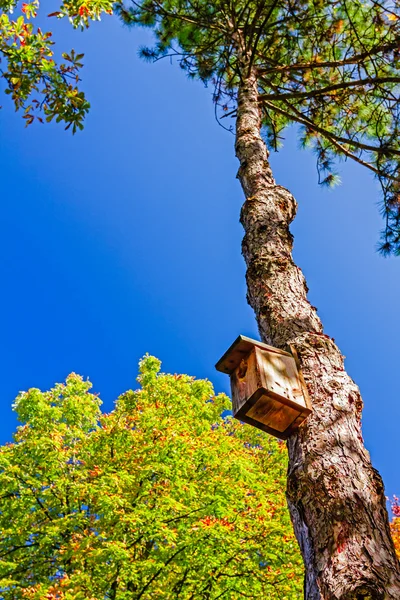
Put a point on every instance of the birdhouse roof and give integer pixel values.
(240, 348)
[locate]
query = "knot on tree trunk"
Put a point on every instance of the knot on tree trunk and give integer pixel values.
(267, 204)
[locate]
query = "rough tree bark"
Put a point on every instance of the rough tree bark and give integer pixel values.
(336, 498)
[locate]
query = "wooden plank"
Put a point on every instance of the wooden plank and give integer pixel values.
(282, 435)
(273, 413)
(246, 414)
(240, 348)
(279, 375)
(245, 380)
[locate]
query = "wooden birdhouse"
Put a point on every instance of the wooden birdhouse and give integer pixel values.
(268, 390)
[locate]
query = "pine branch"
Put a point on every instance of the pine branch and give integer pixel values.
(330, 88)
(352, 60)
(260, 32)
(303, 120)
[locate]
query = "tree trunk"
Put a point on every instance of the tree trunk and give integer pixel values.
(336, 498)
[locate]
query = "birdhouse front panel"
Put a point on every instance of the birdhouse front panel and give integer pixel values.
(267, 388)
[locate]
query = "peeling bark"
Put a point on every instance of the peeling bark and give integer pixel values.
(336, 498)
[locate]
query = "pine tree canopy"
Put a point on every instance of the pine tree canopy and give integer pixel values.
(161, 498)
(331, 67)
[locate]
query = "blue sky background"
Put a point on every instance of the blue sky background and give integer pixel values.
(125, 239)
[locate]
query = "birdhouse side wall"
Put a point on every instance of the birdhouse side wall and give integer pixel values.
(245, 380)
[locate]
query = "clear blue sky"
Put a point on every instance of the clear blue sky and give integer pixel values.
(125, 239)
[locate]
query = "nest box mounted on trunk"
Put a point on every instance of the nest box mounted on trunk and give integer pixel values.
(268, 390)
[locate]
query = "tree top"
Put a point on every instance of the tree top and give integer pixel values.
(329, 66)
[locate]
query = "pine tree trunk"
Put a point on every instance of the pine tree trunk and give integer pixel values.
(336, 498)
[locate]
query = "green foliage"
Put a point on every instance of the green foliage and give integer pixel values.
(81, 12)
(161, 498)
(36, 84)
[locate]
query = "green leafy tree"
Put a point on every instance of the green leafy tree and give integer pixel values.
(38, 86)
(161, 498)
